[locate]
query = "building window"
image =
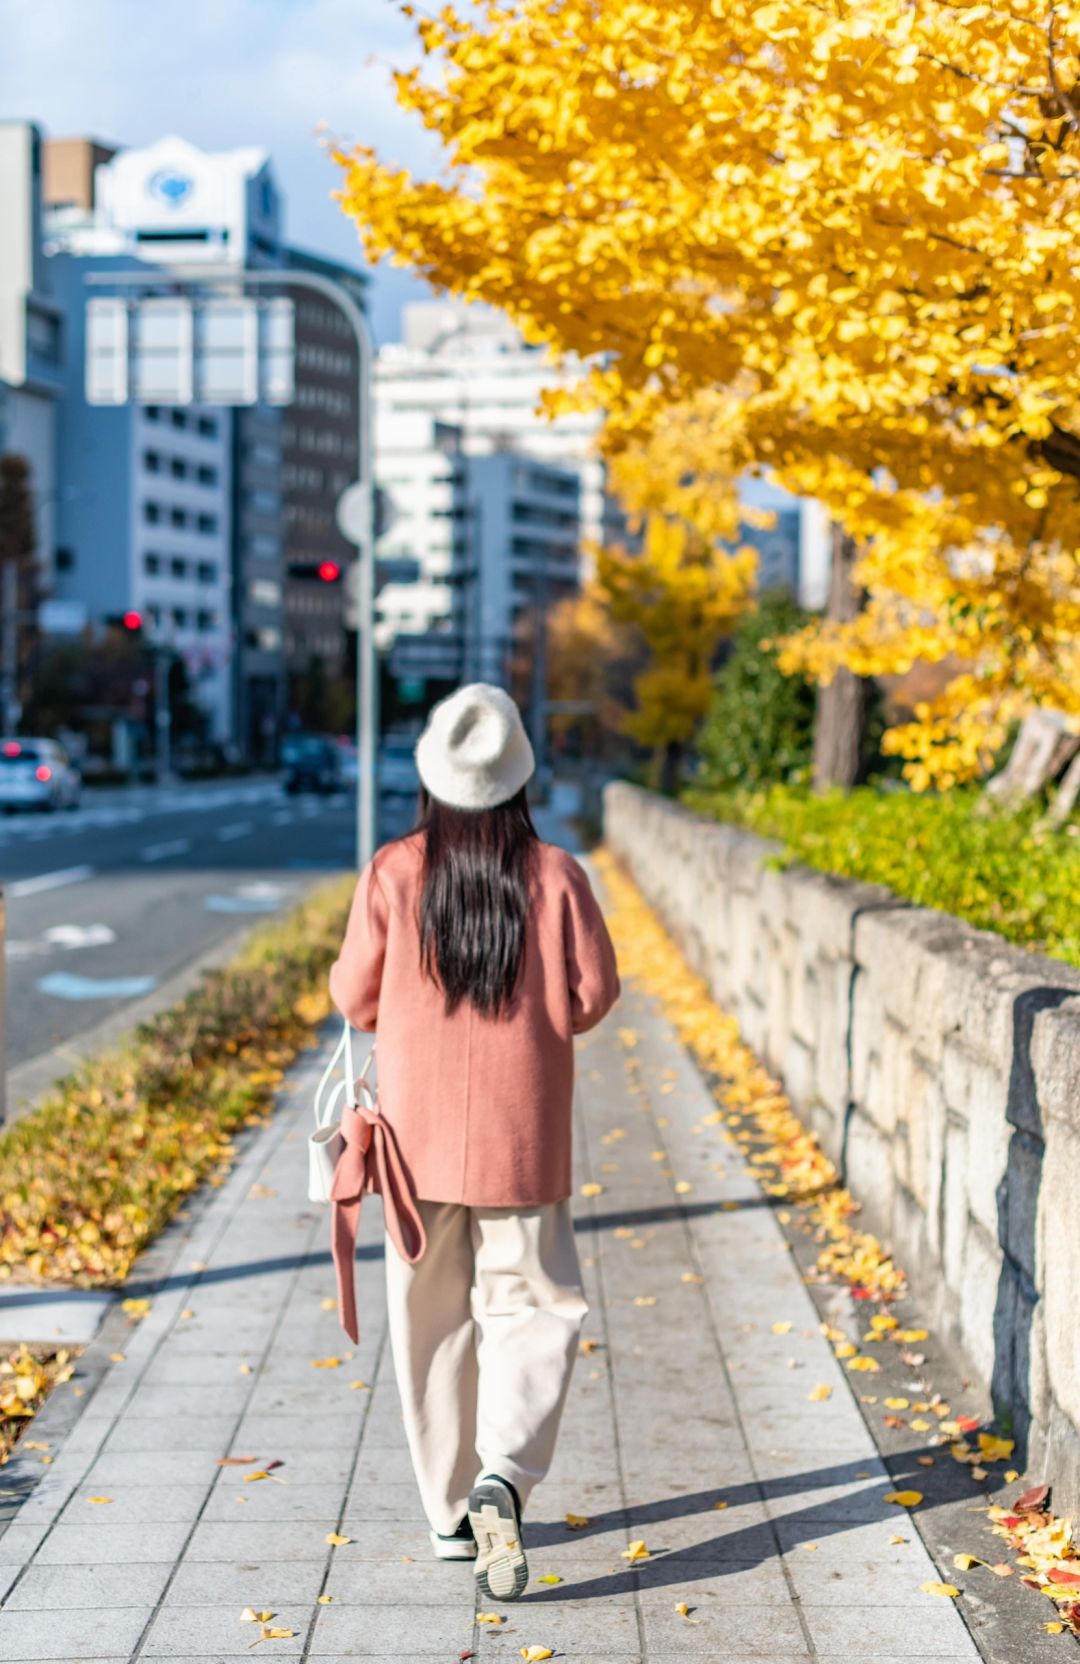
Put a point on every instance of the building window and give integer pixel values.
(180, 617)
(152, 413)
(207, 572)
(152, 565)
(155, 616)
(152, 513)
(208, 523)
(65, 560)
(207, 426)
(207, 475)
(151, 461)
(178, 419)
(178, 468)
(205, 620)
(178, 517)
(178, 567)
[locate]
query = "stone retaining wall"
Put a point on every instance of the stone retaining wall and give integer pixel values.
(941, 1069)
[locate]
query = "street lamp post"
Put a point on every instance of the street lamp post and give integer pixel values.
(356, 507)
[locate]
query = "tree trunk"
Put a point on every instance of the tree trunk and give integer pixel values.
(840, 720)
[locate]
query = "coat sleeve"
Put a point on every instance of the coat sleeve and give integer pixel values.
(591, 971)
(356, 975)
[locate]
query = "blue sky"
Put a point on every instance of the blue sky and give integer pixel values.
(225, 73)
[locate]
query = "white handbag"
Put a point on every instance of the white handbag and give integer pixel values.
(325, 1142)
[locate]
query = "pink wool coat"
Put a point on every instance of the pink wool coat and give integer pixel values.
(480, 1107)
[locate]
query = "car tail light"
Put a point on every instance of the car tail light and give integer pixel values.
(12, 748)
(43, 773)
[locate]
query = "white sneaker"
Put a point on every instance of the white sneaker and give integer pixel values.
(501, 1568)
(459, 1545)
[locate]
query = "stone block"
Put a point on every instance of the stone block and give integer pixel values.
(1059, 1264)
(867, 1030)
(83, 1632)
(1055, 1062)
(926, 1134)
(978, 1297)
(869, 1169)
(954, 1199)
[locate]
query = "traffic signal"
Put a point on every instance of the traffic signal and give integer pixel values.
(329, 571)
(316, 571)
(131, 622)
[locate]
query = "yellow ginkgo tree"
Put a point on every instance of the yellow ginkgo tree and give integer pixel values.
(852, 226)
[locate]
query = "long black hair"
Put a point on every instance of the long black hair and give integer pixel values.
(475, 899)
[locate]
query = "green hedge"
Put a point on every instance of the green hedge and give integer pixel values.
(953, 852)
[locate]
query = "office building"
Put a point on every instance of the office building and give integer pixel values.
(468, 366)
(32, 347)
(319, 440)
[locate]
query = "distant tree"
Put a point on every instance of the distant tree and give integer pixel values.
(760, 726)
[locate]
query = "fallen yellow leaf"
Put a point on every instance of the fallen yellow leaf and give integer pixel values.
(99, 1499)
(489, 1618)
(846, 1349)
(533, 1655)
(820, 1394)
(993, 1449)
(592, 1190)
(356, 1386)
(636, 1551)
(692, 1277)
(948, 1589)
(117, 1358)
(576, 1522)
(549, 1577)
(325, 1600)
(864, 1364)
(895, 1539)
(135, 1308)
(683, 1187)
(720, 1505)
(1053, 1628)
(326, 1363)
(269, 1634)
(897, 1403)
(261, 1474)
(644, 1299)
(250, 1616)
(329, 1304)
(921, 1426)
(335, 1539)
(964, 1562)
(782, 1328)
(905, 1499)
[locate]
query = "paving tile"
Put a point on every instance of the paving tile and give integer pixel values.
(218, 1629)
(921, 1626)
(267, 1500)
(434, 1582)
(111, 1544)
(262, 1584)
(393, 1631)
(210, 1433)
(45, 1588)
(250, 1541)
(168, 1465)
(77, 1632)
(132, 1504)
(765, 1633)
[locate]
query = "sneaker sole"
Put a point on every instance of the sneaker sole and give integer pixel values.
(501, 1568)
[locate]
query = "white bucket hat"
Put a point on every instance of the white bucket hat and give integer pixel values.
(474, 752)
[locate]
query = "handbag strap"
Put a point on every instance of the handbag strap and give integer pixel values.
(327, 1096)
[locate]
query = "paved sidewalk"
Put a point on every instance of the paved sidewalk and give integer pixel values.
(689, 1427)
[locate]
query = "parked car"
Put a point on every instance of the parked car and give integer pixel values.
(36, 774)
(397, 773)
(312, 764)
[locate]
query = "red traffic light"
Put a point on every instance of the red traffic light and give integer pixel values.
(132, 620)
(329, 571)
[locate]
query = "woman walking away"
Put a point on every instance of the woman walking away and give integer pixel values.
(476, 952)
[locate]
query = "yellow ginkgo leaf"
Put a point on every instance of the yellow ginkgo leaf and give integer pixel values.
(277, 1634)
(357, 1386)
(636, 1551)
(335, 1539)
(905, 1499)
(99, 1499)
(895, 1539)
(549, 1577)
(326, 1363)
(325, 1600)
(947, 1589)
(135, 1308)
(683, 1187)
(897, 1403)
(846, 1350)
(1053, 1628)
(692, 1277)
(864, 1364)
(576, 1522)
(721, 1505)
(329, 1304)
(684, 1612)
(261, 1474)
(644, 1299)
(782, 1328)
(964, 1562)
(489, 1618)
(534, 1655)
(819, 1394)
(592, 1189)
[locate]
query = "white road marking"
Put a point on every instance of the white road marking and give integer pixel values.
(240, 904)
(48, 881)
(161, 852)
(63, 985)
(262, 890)
(80, 935)
(239, 829)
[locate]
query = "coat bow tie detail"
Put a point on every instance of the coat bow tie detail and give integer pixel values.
(369, 1161)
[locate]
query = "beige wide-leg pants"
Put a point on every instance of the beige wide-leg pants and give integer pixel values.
(484, 1332)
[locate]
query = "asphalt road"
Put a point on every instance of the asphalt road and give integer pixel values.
(107, 902)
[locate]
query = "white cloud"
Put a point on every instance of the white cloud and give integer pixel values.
(224, 73)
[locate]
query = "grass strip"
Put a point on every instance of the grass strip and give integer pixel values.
(91, 1176)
